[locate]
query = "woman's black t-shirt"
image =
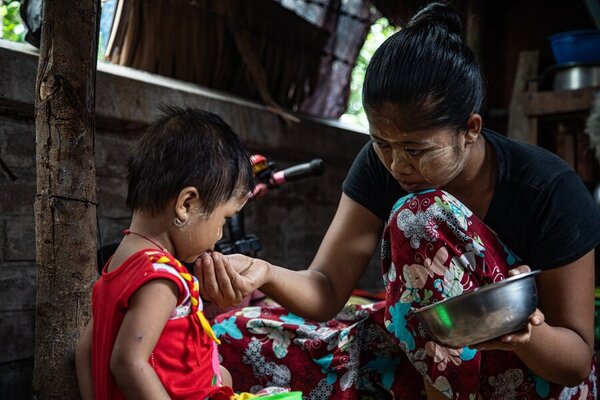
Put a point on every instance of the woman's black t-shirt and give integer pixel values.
(540, 208)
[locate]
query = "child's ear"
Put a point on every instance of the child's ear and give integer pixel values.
(188, 200)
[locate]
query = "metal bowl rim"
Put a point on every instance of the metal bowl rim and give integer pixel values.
(572, 65)
(480, 289)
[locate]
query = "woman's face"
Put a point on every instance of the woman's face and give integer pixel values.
(418, 160)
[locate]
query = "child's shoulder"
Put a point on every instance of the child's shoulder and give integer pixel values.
(159, 260)
(155, 256)
(144, 266)
(160, 264)
(145, 261)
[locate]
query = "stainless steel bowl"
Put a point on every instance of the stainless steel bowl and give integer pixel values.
(574, 76)
(482, 314)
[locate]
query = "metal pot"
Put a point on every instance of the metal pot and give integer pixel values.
(574, 76)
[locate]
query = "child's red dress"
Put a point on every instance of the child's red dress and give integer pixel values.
(184, 358)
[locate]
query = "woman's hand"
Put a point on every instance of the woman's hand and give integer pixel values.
(512, 340)
(521, 269)
(226, 280)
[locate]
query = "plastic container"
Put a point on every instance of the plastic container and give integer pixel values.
(282, 396)
(576, 46)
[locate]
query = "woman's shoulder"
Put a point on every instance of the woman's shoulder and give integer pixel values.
(526, 164)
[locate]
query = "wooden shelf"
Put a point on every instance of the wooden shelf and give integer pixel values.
(554, 120)
(539, 104)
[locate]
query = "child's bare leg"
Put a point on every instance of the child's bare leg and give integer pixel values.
(226, 376)
(433, 393)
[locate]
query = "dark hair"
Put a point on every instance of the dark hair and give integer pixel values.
(187, 147)
(427, 72)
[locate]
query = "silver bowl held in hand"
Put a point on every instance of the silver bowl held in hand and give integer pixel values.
(482, 314)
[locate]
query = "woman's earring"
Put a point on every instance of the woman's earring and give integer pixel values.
(179, 223)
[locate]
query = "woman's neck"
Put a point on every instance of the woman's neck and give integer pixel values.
(474, 186)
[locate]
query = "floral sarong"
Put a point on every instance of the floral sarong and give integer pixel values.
(433, 248)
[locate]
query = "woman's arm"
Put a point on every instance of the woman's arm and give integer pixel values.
(149, 310)
(321, 291)
(560, 350)
(83, 363)
(559, 345)
(317, 293)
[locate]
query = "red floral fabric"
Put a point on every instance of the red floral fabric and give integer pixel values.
(433, 248)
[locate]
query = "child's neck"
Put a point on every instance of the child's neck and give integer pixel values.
(149, 230)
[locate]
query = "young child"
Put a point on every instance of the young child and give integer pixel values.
(148, 338)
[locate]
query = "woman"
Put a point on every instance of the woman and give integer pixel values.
(422, 93)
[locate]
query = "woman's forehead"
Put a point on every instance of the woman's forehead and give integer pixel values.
(391, 133)
(404, 121)
(389, 123)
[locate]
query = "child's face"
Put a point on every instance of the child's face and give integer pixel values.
(205, 231)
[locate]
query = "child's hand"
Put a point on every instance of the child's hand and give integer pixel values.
(512, 340)
(226, 280)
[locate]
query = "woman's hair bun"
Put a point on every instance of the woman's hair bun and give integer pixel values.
(440, 15)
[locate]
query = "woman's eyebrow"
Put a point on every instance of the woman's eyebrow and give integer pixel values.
(400, 141)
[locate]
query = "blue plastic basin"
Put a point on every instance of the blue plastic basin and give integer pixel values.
(576, 46)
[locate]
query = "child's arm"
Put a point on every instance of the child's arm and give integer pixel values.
(83, 363)
(149, 309)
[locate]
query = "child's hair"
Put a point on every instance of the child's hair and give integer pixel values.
(427, 71)
(187, 147)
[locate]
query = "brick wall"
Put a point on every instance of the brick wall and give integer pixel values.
(290, 222)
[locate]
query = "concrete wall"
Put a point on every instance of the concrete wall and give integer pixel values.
(290, 222)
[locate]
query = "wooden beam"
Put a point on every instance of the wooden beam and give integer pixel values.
(519, 126)
(65, 203)
(475, 24)
(538, 104)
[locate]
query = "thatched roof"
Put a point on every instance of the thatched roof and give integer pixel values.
(294, 54)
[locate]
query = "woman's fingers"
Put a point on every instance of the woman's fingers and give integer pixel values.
(209, 287)
(514, 339)
(521, 269)
(519, 337)
(228, 296)
(213, 285)
(250, 273)
(506, 342)
(537, 318)
(225, 280)
(234, 275)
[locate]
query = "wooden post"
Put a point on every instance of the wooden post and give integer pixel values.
(65, 203)
(520, 126)
(475, 23)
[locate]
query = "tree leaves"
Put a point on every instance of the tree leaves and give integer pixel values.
(12, 26)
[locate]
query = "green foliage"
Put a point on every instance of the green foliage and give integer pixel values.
(355, 114)
(12, 26)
